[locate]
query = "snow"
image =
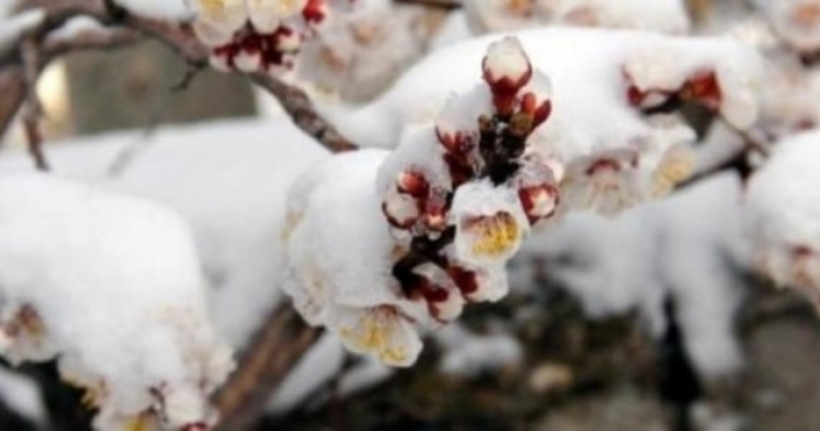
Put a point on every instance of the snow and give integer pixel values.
(592, 118)
(688, 246)
(783, 213)
(232, 192)
(75, 27)
(171, 10)
(113, 286)
(22, 395)
(469, 354)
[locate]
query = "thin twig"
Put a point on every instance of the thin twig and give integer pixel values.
(283, 340)
(33, 109)
(433, 4)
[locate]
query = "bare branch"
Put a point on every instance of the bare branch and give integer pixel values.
(33, 110)
(432, 4)
(277, 347)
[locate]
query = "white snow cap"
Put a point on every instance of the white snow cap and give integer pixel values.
(339, 250)
(171, 10)
(110, 285)
(783, 215)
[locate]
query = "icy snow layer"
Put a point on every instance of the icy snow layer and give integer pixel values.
(782, 215)
(796, 21)
(663, 16)
(112, 287)
(687, 246)
(615, 155)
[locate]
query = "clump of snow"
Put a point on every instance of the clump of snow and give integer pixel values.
(170, 10)
(688, 246)
(470, 355)
(782, 212)
(110, 285)
(339, 249)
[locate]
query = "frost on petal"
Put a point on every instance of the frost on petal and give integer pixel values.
(266, 15)
(606, 182)
(381, 331)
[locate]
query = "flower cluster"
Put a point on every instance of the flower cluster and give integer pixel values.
(377, 241)
(359, 54)
(464, 194)
(259, 35)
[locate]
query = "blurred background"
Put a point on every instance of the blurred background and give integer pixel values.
(544, 358)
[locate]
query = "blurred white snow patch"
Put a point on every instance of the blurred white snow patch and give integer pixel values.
(365, 375)
(22, 396)
(171, 10)
(227, 179)
(75, 27)
(111, 285)
(319, 366)
(468, 354)
(455, 28)
(783, 215)
(689, 246)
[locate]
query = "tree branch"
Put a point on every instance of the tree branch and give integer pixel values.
(277, 347)
(433, 4)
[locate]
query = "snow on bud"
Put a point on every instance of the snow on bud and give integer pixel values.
(725, 78)
(490, 223)
(457, 124)
(506, 69)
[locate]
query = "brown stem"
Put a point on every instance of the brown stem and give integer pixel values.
(282, 340)
(433, 4)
